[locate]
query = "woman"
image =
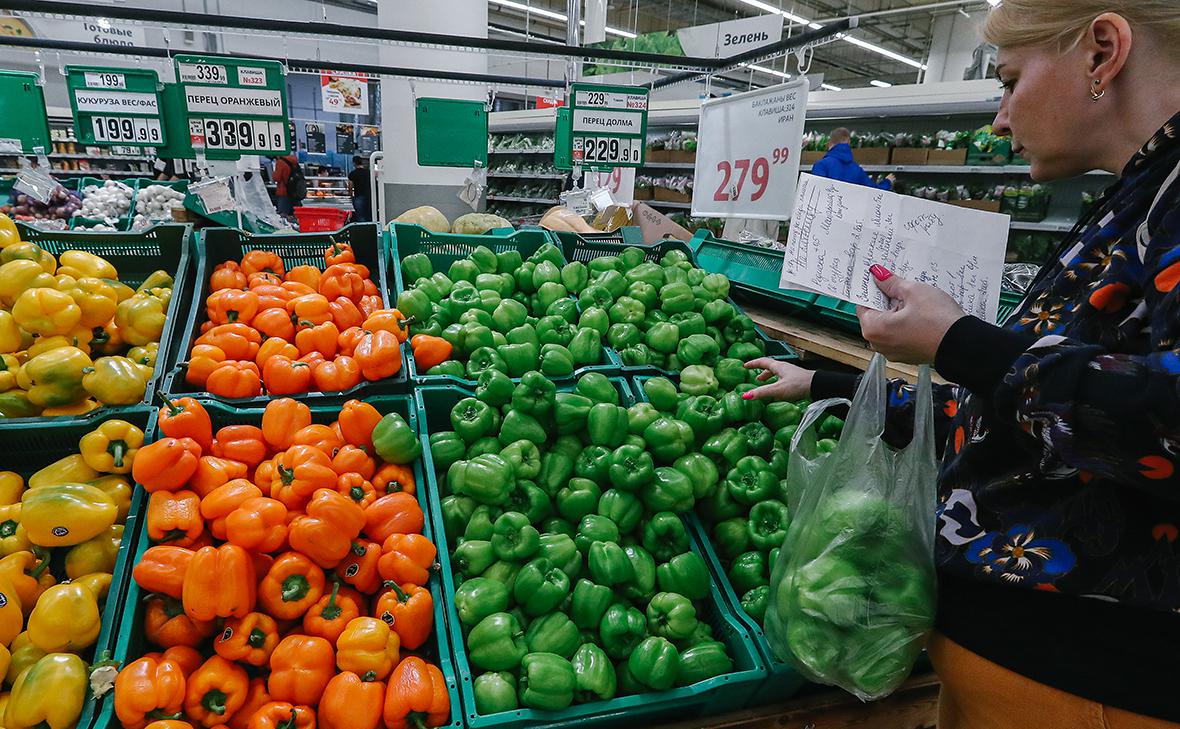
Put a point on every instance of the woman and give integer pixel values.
(1059, 501)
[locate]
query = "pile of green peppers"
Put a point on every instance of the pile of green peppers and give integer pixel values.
(748, 442)
(575, 576)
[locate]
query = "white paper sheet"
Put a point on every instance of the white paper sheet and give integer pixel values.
(839, 230)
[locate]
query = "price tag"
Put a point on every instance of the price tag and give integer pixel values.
(619, 182)
(124, 129)
(113, 106)
(215, 195)
(249, 134)
(203, 73)
(608, 125)
(748, 155)
(105, 80)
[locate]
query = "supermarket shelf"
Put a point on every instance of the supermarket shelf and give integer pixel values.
(507, 198)
(662, 204)
(529, 175)
(92, 173)
(120, 157)
(672, 165)
(1049, 225)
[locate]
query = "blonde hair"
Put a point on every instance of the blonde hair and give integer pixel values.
(1017, 23)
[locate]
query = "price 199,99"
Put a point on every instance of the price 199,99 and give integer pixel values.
(125, 129)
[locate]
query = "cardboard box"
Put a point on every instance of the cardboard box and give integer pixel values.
(987, 206)
(910, 156)
(679, 155)
(644, 193)
(655, 225)
(810, 158)
(663, 194)
(658, 155)
(871, 155)
(948, 157)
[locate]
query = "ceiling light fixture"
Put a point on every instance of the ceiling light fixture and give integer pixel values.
(561, 17)
(830, 87)
(880, 84)
(764, 69)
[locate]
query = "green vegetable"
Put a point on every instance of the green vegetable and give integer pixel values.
(496, 643)
(749, 570)
(578, 499)
(495, 691)
(514, 539)
(685, 574)
(665, 536)
(547, 681)
(671, 616)
(768, 524)
(621, 507)
(595, 675)
(479, 597)
(621, 628)
(655, 663)
(609, 564)
(703, 661)
(589, 604)
(560, 550)
(485, 478)
(553, 633)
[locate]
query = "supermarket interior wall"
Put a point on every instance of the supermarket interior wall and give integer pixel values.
(954, 38)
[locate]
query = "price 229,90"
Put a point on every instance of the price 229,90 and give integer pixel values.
(735, 173)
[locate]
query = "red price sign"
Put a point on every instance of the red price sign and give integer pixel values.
(735, 174)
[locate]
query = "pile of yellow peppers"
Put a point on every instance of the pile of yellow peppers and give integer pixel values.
(72, 336)
(77, 505)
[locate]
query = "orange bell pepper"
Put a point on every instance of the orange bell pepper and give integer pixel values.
(355, 487)
(353, 459)
(219, 503)
(319, 436)
(345, 313)
(219, 583)
(296, 289)
(275, 347)
(311, 308)
(396, 513)
(368, 647)
(274, 322)
(371, 301)
(299, 472)
(257, 525)
(300, 668)
(332, 613)
(162, 569)
(170, 724)
(213, 473)
(326, 532)
(293, 584)
(29, 574)
(352, 702)
(201, 362)
(189, 659)
(241, 443)
(166, 465)
(263, 278)
(339, 253)
(311, 359)
(344, 279)
(262, 262)
(186, 417)
(215, 691)
(339, 374)
(174, 517)
(281, 420)
(359, 568)
(285, 376)
(232, 305)
(271, 295)
(256, 697)
(235, 378)
(429, 350)
(379, 354)
(306, 275)
(407, 558)
(148, 689)
(283, 715)
(348, 339)
(416, 696)
(409, 610)
(357, 420)
(394, 477)
(250, 639)
(389, 320)
(166, 625)
(317, 338)
(227, 275)
(238, 340)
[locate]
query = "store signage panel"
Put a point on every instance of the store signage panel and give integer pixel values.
(608, 125)
(116, 106)
(234, 106)
(748, 151)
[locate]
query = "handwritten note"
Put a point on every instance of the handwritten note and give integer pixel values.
(839, 230)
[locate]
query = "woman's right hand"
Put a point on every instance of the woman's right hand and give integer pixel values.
(794, 383)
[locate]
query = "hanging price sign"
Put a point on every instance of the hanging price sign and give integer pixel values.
(619, 182)
(608, 125)
(234, 106)
(116, 106)
(748, 154)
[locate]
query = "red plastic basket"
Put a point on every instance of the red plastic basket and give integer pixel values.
(321, 220)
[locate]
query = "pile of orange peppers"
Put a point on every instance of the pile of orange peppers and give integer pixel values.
(287, 577)
(294, 331)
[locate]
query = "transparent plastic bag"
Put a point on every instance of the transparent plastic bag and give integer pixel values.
(853, 590)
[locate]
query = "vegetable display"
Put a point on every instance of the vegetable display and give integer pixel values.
(287, 577)
(108, 202)
(72, 336)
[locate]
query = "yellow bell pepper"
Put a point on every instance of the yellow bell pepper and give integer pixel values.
(22, 655)
(46, 312)
(55, 377)
(156, 280)
(13, 537)
(80, 264)
(16, 404)
(50, 694)
(9, 366)
(95, 555)
(65, 618)
(66, 514)
(145, 355)
(11, 617)
(71, 469)
(30, 252)
(141, 319)
(64, 282)
(107, 339)
(115, 381)
(111, 447)
(77, 408)
(10, 335)
(122, 290)
(17, 276)
(96, 299)
(11, 487)
(46, 344)
(4, 700)
(119, 489)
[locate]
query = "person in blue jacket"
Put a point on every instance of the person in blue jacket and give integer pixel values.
(839, 165)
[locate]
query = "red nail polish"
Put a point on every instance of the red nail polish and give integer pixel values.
(880, 272)
(747, 396)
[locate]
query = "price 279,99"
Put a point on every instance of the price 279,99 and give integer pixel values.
(749, 177)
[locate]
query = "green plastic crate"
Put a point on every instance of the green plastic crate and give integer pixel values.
(1009, 301)
(752, 270)
(628, 235)
(129, 643)
(136, 256)
(30, 449)
(217, 245)
(443, 249)
(727, 692)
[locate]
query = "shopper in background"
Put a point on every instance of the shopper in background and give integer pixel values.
(1058, 523)
(360, 189)
(838, 163)
(290, 184)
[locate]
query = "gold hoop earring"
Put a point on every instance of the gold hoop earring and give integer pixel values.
(1095, 94)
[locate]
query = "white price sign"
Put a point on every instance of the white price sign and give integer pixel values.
(203, 73)
(105, 80)
(748, 153)
(607, 150)
(248, 134)
(620, 182)
(133, 130)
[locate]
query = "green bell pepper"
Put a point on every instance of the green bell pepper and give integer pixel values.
(778, 415)
(751, 481)
(485, 478)
(637, 355)
(718, 312)
(480, 526)
(456, 513)
(523, 275)
(595, 528)
(725, 448)
(689, 323)
(697, 378)
(503, 286)
(756, 601)
(514, 539)
(621, 507)
(546, 272)
(768, 524)
(508, 261)
(552, 633)
(663, 337)
(622, 628)
(749, 570)
(571, 411)
(685, 574)
(676, 298)
(526, 498)
(746, 351)
(578, 499)
(503, 572)
(486, 444)
(595, 675)
(664, 536)
(671, 616)
(668, 438)
(495, 691)
(486, 358)
(519, 425)
(496, 643)
(830, 427)
(623, 336)
(478, 598)
(549, 294)
(585, 348)
(494, 388)
(643, 586)
(701, 471)
(517, 358)
(655, 663)
(644, 293)
(416, 266)
(630, 257)
(540, 587)
(719, 506)
(595, 318)
(556, 469)
(626, 310)
(595, 295)
(575, 276)
(740, 328)
(639, 416)
(661, 393)
(594, 463)
(780, 461)
(607, 425)
(731, 537)
(484, 259)
(555, 525)
(730, 373)
(590, 602)
(535, 394)
(598, 388)
(670, 490)
(554, 330)
(613, 282)
(524, 457)
(472, 557)
(759, 439)
(509, 315)
(446, 447)
(548, 252)
(703, 661)
(489, 300)
(704, 415)
(631, 467)
(609, 564)
(649, 273)
(561, 551)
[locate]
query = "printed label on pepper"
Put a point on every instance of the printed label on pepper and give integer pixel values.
(60, 531)
(3, 599)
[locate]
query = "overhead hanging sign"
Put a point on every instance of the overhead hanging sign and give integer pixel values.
(451, 132)
(116, 106)
(24, 126)
(234, 106)
(748, 153)
(608, 125)
(342, 93)
(722, 40)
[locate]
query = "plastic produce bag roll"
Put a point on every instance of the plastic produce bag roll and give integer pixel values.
(853, 590)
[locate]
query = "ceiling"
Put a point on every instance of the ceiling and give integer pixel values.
(902, 27)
